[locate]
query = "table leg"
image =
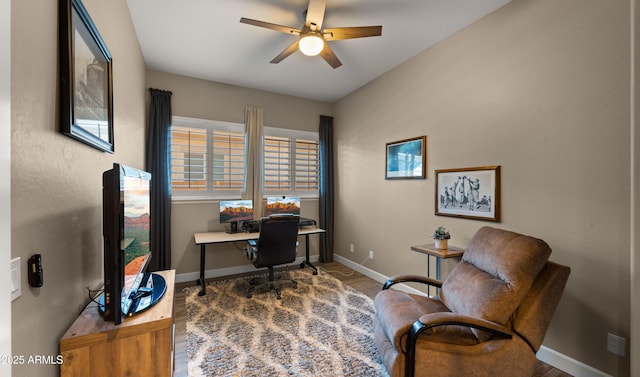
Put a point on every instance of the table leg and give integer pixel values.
(429, 274)
(438, 277)
(201, 279)
(307, 262)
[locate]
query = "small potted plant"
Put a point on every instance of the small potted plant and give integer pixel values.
(441, 235)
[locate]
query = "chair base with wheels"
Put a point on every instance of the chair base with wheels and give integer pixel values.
(269, 284)
(276, 245)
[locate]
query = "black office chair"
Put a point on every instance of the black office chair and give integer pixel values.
(275, 246)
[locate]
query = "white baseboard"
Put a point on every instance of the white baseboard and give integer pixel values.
(373, 274)
(226, 271)
(545, 354)
(567, 364)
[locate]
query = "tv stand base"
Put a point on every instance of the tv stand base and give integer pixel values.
(142, 344)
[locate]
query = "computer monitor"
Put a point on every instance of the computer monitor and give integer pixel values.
(277, 205)
(233, 211)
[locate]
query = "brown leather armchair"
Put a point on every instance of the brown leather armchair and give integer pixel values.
(490, 317)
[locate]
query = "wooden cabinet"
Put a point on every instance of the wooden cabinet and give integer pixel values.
(143, 345)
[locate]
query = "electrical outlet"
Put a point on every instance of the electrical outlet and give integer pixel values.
(370, 254)
(615, 344)
(352, 248)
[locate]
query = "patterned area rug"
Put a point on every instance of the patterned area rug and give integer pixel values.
(322, 328)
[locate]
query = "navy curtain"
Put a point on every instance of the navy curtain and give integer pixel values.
(326, 187)
(159, 165)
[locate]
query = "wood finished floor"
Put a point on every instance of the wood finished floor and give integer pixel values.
(355, 279)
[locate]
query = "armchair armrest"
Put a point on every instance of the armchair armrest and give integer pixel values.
(448, 318)
(412, 279)
(431, 320)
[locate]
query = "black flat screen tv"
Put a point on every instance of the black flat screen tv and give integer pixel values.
(128, 287)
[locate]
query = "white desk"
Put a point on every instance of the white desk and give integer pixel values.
(205, 238)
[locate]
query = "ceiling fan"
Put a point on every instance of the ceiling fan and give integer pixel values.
(312, 38)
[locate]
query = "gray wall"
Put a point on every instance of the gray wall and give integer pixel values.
(210, 100)
(537, 88)
(635, 174)
(56, 182)
(5, 181)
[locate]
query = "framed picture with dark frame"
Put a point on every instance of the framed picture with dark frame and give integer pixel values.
(470, 193)
(86, 78)
(407, 159)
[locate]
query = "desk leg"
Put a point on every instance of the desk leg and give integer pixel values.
(307, 262)
(203, 291)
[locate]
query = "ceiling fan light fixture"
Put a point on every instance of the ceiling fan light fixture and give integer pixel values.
(311, 44)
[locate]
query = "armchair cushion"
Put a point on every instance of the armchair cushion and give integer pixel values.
(494, 275)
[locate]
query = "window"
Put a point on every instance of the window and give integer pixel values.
(207, 158)
(277, 163)
(188, 159)
(228, 160)
(306, 165)
(290, 161)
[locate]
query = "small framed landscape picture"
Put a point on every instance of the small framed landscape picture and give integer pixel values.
(471, 193)
(407, 159)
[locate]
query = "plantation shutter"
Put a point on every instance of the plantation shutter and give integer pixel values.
(306, 165)
(188, 158)
(209, 160)
(228, 160)
(277, 163)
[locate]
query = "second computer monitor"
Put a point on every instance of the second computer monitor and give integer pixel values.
(277, 205)
(234, 211)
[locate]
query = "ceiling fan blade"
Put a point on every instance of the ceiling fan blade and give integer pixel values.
(330, 57)
(315, 13)
(286, 52)
(339, 33)
(268, 25)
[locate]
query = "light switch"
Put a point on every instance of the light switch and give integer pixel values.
(16, 291)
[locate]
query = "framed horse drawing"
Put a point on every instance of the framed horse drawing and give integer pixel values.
(470, 193)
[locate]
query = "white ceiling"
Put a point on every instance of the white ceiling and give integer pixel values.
(204, 39)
